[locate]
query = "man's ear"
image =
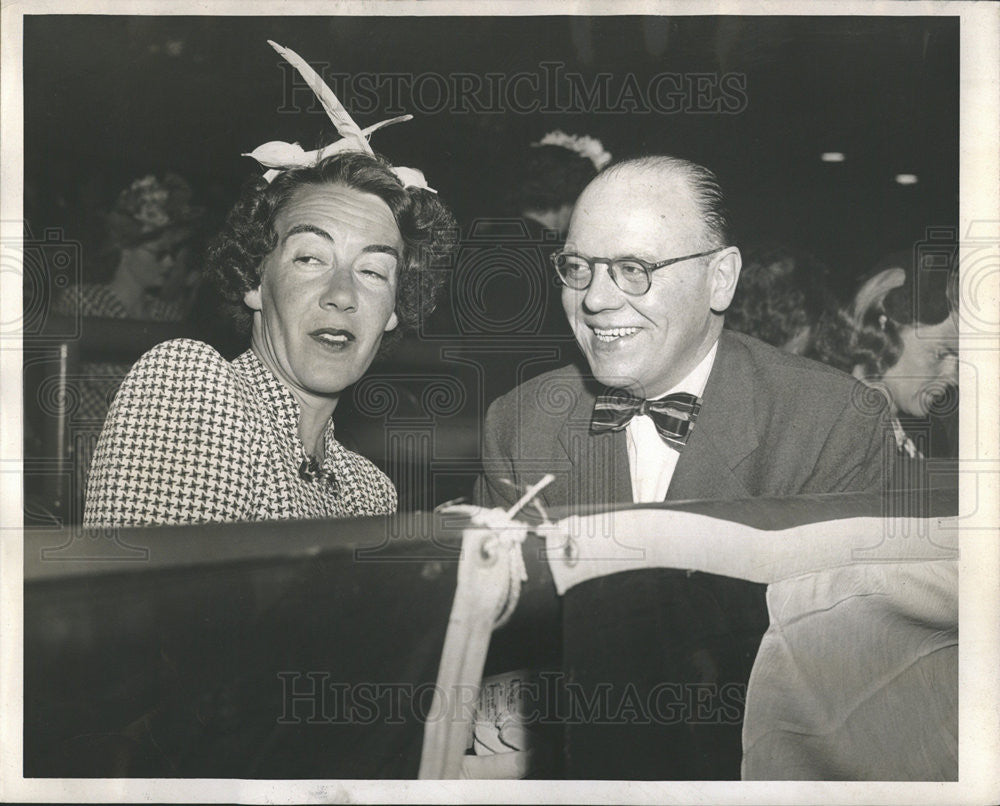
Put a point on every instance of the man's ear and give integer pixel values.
(252, 299)
(725, 275)
(393, 322)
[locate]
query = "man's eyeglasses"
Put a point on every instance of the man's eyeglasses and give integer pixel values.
(630, 274)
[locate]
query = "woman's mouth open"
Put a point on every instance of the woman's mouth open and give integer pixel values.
(333, 338)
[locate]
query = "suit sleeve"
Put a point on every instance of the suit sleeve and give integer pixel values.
(492, 488)
(859, 452)
(176, 446)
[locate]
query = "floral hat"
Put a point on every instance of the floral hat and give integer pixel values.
(149, 206)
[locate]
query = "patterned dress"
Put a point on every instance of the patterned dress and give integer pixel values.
(192, 438)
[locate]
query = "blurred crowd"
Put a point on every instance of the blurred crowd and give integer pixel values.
(897, 331)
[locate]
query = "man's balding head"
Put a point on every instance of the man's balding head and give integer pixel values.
(701, 184)
(653, 209)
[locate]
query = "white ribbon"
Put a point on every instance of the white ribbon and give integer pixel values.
(280, 156)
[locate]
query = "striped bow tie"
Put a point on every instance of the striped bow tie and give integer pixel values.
(673, 415)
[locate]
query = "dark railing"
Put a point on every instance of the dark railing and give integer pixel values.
(205, 651)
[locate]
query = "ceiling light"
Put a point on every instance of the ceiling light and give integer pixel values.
(832, 156)
(906, 179)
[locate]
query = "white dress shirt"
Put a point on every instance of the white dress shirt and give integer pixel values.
(651, 461)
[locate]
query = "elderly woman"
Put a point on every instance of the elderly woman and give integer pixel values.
(321, 263)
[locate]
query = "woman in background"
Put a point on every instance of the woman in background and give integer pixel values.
(784, 298)
(905, 342)
(149, 231)
(900, 334)
(506, 289)
(147, 241)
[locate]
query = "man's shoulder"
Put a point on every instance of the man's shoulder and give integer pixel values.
(554, 390)
(544, 402)
(795, 396)
(791, 375)
(812, 428)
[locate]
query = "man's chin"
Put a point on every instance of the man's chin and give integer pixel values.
(613, 377)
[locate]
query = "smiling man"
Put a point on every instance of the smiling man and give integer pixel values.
(648, 272)
(669, 407)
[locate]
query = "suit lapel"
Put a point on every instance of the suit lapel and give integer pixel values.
(598, 464)
(724, 433)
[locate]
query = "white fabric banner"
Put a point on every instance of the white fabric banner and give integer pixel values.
(857, 676)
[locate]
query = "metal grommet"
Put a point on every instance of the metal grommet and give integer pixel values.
(488, 550)
(571, 552)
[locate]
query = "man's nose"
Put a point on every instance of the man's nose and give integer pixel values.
(602, 293)
(339, 291)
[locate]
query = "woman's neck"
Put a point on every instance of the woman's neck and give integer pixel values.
(859, 373)
(314, 416)
(315, 410)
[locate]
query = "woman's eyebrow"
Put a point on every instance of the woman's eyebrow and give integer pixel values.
(302, 228)
(299, 229)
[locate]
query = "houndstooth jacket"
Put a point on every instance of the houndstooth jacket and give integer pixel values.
(192, 437)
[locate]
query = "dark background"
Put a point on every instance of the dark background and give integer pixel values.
(110, 98)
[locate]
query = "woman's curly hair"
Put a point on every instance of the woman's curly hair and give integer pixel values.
(427, 227)
(781, 291)
(832, 341)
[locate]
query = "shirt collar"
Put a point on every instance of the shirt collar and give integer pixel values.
(694, 382)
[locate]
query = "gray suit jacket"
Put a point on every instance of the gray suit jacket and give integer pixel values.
(771, 424)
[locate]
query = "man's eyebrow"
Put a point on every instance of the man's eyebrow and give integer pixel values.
(300, 228)
(382, 248)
